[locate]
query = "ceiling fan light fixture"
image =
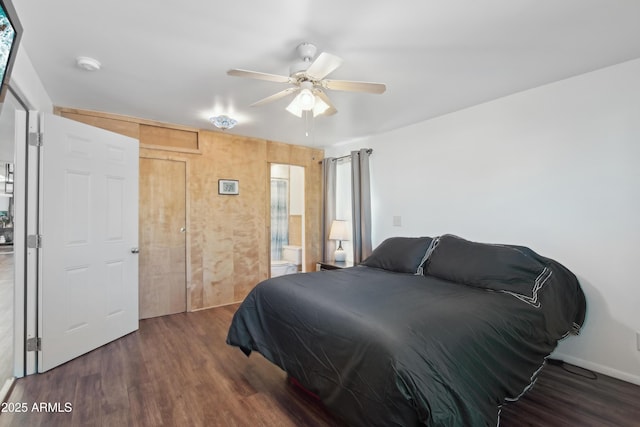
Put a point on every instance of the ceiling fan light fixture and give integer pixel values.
(306, 99)
(294, 108)
(308, 77)
(320, 107)
(223, 122)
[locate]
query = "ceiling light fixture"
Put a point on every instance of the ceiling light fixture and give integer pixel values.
(320, 106)
(88, 64)
(223, 122)
(306, 100)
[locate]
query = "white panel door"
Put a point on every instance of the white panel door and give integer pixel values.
(89, 225)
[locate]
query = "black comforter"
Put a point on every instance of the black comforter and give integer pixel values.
(386, 348)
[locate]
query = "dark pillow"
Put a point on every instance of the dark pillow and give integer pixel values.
(498, 267)
(400, 254)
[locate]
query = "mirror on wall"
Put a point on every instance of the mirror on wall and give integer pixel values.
(287, 219)
(6, 207)
(8, 117)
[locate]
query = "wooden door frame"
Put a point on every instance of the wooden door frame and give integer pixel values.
(268, 214)
(187, 208)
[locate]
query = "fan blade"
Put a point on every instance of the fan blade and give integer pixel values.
(260, 76)
(349, 86)
(323, 65)
(275, 96)
(329, 111)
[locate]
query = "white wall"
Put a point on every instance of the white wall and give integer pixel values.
(556, 168)
(26, 82)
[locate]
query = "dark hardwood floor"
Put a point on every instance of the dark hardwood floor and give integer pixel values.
(178, 371)
(6, 314)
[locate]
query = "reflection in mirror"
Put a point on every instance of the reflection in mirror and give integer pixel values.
(6, 207)
(7, 149)
(287, 219)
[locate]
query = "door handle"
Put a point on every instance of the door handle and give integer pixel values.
(182, 229)
(135, 250)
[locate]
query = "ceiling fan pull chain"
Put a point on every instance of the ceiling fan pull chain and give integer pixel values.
(307, 122)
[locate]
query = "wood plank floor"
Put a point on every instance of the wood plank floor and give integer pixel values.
(178, 371)
(6, 313)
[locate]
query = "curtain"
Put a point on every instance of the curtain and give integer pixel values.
(279, 217)
(329, 206)
(361, 204)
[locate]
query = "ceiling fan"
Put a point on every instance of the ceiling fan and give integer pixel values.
(308, 78)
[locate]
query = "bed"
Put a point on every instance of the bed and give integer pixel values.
(436, 332)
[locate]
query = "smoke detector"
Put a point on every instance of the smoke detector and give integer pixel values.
(88, 64)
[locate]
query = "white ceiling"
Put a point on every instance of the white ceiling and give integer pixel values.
(167, 60)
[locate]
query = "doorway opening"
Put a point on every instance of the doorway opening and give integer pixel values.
(287, 219)
(13, 122)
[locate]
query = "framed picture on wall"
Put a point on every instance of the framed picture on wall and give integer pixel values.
(228, 186)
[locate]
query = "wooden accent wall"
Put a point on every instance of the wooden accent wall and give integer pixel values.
(295, 230)
(228, 237)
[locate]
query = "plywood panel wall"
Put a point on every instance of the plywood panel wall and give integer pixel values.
(228, 240)
(228, 229)
(295, 230)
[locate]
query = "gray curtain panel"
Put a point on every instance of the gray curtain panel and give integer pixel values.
(361, 204)
(329, 206)
(279, 217)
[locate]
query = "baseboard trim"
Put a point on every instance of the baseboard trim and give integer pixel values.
(606, 370)
(5, 391)
(214, 306)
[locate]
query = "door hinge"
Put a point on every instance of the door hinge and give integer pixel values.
(35, 139)
(34, 344)
(34, 241)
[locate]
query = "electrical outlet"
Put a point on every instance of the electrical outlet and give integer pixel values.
(638, 340)
(397, 221)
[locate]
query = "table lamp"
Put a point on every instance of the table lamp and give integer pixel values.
(339, 231)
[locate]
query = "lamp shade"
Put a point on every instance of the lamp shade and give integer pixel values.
(306, 99)
(339, 230)
(318, 106)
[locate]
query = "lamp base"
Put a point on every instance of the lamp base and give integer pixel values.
(340, 255)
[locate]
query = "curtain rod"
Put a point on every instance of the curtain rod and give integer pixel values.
(369, 151)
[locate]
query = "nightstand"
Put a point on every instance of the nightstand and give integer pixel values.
(333, 265)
